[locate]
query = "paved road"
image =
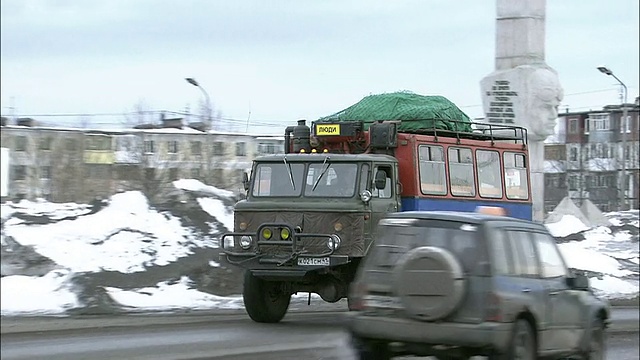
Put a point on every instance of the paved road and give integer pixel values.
(316, 335)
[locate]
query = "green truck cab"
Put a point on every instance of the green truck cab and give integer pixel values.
(307, 221)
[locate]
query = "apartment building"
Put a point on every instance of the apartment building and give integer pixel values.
(78, 165)
(584, 159)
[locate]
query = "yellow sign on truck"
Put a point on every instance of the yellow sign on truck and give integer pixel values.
(327, 129)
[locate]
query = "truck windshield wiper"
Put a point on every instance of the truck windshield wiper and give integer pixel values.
(290, 173)
(324, 170)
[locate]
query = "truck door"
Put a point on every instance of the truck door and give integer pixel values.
(383, 200)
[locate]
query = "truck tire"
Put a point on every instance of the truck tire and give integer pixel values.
(429, 282)
(264, 301)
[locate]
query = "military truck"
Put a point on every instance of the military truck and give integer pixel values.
(310, 214)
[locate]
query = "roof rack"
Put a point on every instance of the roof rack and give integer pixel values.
(480, 131)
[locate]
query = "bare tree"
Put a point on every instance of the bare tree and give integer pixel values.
(141, 114)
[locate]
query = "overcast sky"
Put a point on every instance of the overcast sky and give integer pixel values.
(284, 60)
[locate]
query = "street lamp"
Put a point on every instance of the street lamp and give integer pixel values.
(193, 82)
(623, 131)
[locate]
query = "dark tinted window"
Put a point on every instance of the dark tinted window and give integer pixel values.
(396, 236)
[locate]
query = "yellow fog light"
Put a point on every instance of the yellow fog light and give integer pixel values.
(285, 233)
(266, 233)
(243, 226)
(337, 226)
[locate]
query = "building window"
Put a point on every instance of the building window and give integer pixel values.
(241, 149)
(98, 171)
(45, 143)
(218, 148)
(127, 172)
(195, 173)
(626, 125)
(98, 142)
(71, 144)
(573, 126)
(265, 149)
(196, 148)
(598, 122)
(173, 174)
(573, 154)
(172, 147)
(19, 172)
(21, 143)
(574, 181)
(45, 172)
(149, 147)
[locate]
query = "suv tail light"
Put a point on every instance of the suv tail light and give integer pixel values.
(494, 311)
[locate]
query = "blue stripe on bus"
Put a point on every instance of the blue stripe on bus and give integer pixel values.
(516, 210)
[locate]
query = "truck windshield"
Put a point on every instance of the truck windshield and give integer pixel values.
(275, 180)
(338, 180)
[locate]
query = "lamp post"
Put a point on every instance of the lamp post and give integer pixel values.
(193, 82)
(623, 131)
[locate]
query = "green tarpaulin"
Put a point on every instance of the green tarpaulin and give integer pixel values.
(417, 112)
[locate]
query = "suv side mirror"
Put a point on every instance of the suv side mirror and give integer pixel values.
(578, 281)
(380, 179)
(245, 181)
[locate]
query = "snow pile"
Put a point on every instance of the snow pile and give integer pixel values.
(609, 254)
(125, 236)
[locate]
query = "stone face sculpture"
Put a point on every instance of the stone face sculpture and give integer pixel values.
(527, 95)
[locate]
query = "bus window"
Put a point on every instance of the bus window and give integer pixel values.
(432, 174)
(489, 179)
(515, 176)
(461, 172)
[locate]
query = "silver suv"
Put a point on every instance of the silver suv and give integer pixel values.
(455, 285)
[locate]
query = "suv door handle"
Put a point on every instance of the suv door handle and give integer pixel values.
(526, 290)
(552, 293)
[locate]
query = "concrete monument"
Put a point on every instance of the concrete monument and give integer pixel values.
(523, 90)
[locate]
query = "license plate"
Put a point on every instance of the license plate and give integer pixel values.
(306, 261)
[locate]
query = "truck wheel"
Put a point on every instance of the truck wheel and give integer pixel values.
(265, 301)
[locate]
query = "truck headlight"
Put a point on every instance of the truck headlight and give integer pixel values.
(245, 242)
(334, 242)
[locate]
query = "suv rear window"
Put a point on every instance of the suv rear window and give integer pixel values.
(396, 236)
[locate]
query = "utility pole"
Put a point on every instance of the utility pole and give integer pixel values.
(623, 132)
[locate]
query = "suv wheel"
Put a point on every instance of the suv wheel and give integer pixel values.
(265, 301)
(597, 347)
(522, 345)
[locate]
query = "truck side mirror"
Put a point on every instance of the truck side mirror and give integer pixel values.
(245, 181)
(381, 179)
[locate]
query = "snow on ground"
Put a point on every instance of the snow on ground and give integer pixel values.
(127, 234)
(195, 185)
(568, 225)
